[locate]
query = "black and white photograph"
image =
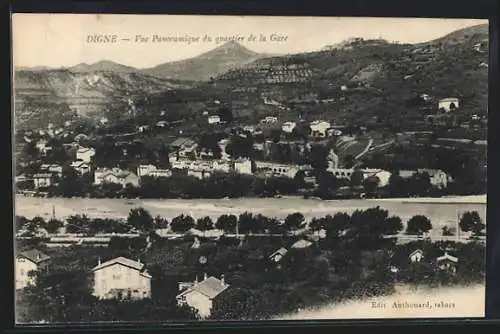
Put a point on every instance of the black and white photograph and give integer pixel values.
(177, 168)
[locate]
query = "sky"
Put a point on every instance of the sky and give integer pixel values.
(60, 40)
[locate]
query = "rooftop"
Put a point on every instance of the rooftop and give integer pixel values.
(34, 255)
(211, 287)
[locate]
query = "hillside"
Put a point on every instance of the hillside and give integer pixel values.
(372, 80)
(36, 92)
(102, 66)
(223, 58)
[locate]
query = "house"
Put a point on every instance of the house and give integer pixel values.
(81, 167)
(447, 104)
(51, 168)
(214, 119)
(85, 154)
(42, 180)
(416, 256)
(201, 295)
(151, 170)
(333, 132)
(43, 147)
(121, 278)
(243, 166)
(183, 146)
(447, 262)
(437, 177)
(288, 127)
(383, 176)
(319, 128)
(275, 169)
(249, 128)
(269, 120)
(116, 176)
(29, 261)
(278, 255)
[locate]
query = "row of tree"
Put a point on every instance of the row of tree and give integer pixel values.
(372, 224)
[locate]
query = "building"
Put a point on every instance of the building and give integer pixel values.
(437, 177)
(447, 104)
(447, 262)
(249, 128)
(115, 176)
(51, 168)
(29, 261)
(214, 119)
(184, 147)
(81, 167)
(416, 256)
(151, 170)
(85, 154)
(243, 166)
(201, 295)
(275, 169)
(43, 147)
(278, 255)
(269, 120)
(288, 127)
(121, 278)
(42, 180)
(383, 176)
(319, 128)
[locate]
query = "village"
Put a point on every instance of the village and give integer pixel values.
(296, 150)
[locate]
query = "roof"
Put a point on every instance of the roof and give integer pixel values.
(123, 261)
(447, 256)
(415, 252)
(449, 99)
(302, 244)
(282, 251)
(84, 149)
(42, 175)
(78, 163)
(183, 141)
(34, 255)
(211, 287)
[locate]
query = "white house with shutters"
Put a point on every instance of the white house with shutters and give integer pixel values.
(121, 278)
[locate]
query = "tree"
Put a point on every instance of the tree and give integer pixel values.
(204, 224)
(247, 223)
(182, 224)
(334, 225)
(140, 219)
(53, 225)
(317, 224)
(418, 224)
(225, 114)
(21, 222)
(472, 222)
(447, 231)
(160, 222)
(357, 177)
(227, 223)
(78, 224)
(393, 225)
(294, 221)
(371, 184)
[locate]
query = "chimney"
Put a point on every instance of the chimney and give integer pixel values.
(38, 256)
(205, 276)
(222, 279)
(99, 261)
(139, 259)
(196, 280)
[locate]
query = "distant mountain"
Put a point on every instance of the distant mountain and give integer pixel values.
(210, 64)
(102, 66)
(39, 93)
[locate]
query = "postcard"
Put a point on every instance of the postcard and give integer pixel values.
(193, 168)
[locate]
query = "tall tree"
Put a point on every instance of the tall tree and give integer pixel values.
(140, 219)
(472, 222)
(418, 224)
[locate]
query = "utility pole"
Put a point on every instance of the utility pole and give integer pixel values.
(458, 226)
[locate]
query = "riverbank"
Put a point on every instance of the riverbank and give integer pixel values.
(440, 214)
(404, 303)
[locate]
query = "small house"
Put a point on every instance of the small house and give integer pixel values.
(214, 119)
(278, 255)
(288, 127)
(447, 262)
(42, 180)
(201, 295)
(121, 278)
(81, 167)
(29, 261)
(448, 104)
(416, 256)
(85, 154)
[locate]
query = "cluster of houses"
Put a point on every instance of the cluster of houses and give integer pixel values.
(122, 278)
